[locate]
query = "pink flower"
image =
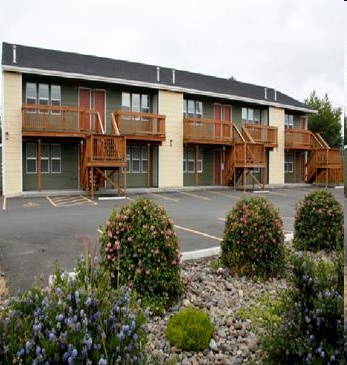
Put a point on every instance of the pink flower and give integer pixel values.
(117, 245)
(174, 262)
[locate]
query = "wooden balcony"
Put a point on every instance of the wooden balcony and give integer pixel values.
(207, 131)
(139, 126)
(60, 121)
(263, 134)
(302, 139)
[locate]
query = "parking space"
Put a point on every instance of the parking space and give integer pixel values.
(34, 234)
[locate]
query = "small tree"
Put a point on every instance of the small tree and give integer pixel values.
(327, 121)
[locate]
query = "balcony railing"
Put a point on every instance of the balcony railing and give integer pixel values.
(263, 134)
(134, 125)
(49, 119)
(301, 139)
(200, 130)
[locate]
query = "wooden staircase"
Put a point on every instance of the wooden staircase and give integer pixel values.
(244, 157)
(325, 164)
(102, 156)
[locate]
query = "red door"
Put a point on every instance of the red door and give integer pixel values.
(217, 167)
(84, 96)
(217, 117)
(303, 155)
(99, 105)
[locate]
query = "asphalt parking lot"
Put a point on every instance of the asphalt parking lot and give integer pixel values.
(36, 232)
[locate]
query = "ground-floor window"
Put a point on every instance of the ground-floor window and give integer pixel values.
(50, 158)
(288, 162)
(189, 160)
(137, 159)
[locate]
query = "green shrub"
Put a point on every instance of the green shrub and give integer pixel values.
(253, 239)
(312, 323)
(190, 329)
(141, 250)
(318, 222)
(78, 320)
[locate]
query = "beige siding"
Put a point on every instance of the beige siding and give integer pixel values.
(276, 158)
(171, 153)
(12, 134)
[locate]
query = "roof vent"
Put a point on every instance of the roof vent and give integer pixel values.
(173, 77)
(158, 74)
(275, 94)
(14, 54)
(265, 92)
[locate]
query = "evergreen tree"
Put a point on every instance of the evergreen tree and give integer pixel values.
(327, 122)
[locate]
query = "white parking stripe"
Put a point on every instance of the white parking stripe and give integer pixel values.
(198, 232)
(195, 195)
(165, 197)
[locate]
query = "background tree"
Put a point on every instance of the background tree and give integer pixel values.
(327, 122)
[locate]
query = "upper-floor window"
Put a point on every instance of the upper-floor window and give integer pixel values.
(250, 115)
(288, 121)
(134, 102)
(43, 94)
(192, 109)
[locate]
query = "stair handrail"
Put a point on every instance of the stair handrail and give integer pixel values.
(247, 134)
(238, 133)
(114, 125)
(98, 117)
(319, 140)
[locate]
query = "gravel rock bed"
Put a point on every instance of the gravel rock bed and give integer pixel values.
(221, 294)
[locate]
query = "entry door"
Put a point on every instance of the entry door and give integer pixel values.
(303, 154)
(99, 104)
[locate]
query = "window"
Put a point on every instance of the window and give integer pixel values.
(251, 115)
(288, 163)
(55, 158)
(192, 109)
(144, 159)
(45, 158)
(288, 121)
(43, 94)
(135, 102)
(30, 93)
(55, 97)
(189, 160)
(31, 158)
(50, 158)
(137, 159)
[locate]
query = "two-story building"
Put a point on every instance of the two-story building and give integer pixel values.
(74, 121)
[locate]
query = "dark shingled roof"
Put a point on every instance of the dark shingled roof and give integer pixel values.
(73, 63)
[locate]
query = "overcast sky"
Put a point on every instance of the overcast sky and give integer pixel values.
(294, 46)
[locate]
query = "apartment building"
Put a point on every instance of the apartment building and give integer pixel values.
(74, 121)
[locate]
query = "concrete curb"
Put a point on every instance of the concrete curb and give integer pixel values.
(215, 251)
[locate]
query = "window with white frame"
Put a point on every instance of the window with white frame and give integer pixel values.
(250, 115)
(43, 94)
(288, 162)
(55, 158)
(288, 121)
(137, 159)
(135, 102)
(31, 158)
(45, 158)
(189, 160)
(192, 109)
(30, 93)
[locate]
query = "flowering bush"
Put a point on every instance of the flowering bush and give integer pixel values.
(141, 250)
(253, 239)
(312, 323)
(318, 222)
(190, 329)
(78, 320)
